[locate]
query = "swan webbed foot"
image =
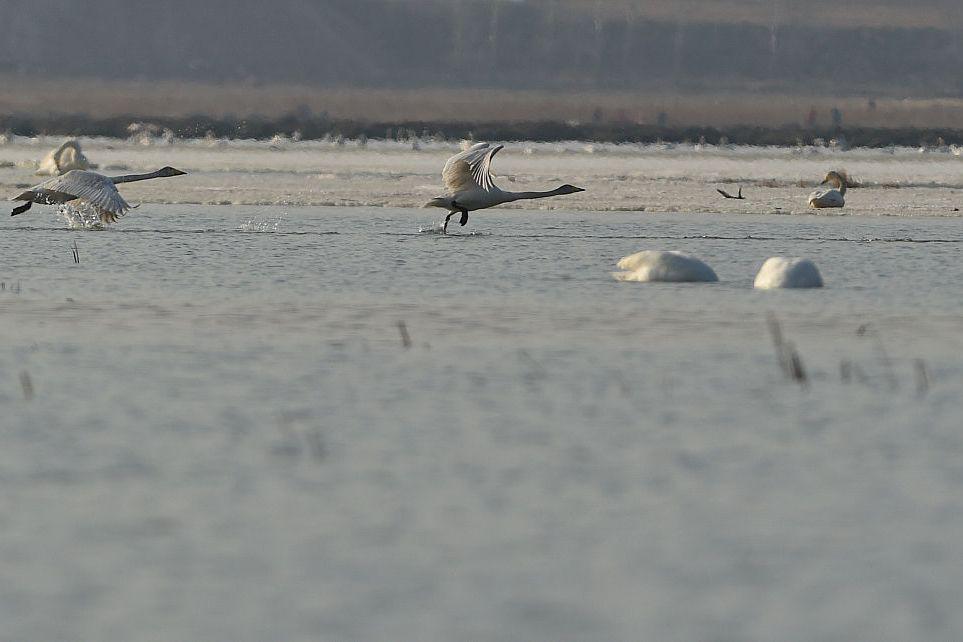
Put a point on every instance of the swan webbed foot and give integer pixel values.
(444, 228)
(23, 208)
(464, 217)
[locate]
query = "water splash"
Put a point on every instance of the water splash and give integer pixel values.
(439, 228)
(80, 216)
(257, 224)
(434, 228)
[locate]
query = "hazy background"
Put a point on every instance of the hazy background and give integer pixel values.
(621, 60)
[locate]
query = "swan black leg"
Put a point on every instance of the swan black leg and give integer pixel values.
(464, 217)
(447, 218)
(21, 209)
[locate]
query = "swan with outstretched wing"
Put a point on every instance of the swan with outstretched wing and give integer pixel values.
(470, 184)
(99, 191)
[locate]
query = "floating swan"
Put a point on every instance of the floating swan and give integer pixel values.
(63, 159)
(468, 179)
(785, 272)
(830, 197)
(653, 265)
(89, 187)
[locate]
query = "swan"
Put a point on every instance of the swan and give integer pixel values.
(785, 272)
(653, 265)
(470, 185)
(96, 189)
(63, 159)
(830, 197)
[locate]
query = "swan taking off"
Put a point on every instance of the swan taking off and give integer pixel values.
(470, 185)
(652, 265)
(785, 272)
(87, 187)
(830, 197)
(63, 159)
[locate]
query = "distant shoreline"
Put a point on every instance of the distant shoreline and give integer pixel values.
(744, 114)
(319, 127)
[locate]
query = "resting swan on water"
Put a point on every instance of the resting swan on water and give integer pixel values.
(468, 179)
(786, 272)
(653, 265)
(63, 159)
(830, 197)
(87, 187)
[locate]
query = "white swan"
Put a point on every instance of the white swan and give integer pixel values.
(830, 197)
(469, 182)
(90, 187)
(63, 159)
(785, 272)
(652, 265)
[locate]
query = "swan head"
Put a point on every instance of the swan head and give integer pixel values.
(569, 189)
(169, 171)
(835, 179)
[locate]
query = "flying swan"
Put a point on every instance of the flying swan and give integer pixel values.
(830, 197)
(470, 185)
(87, 187)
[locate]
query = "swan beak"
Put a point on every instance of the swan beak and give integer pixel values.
(178, 172)
(579, 189)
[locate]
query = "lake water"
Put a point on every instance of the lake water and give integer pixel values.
(300, 422)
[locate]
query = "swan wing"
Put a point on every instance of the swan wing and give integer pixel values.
(471, 169)
(96, 189)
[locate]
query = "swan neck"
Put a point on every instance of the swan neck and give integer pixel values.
(517, 196)
(838, 182)
(130, 178)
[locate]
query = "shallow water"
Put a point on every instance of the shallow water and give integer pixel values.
(213, 429)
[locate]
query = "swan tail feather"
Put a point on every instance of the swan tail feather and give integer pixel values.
(441, 201)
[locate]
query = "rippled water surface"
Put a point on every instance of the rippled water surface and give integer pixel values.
(299, 423)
